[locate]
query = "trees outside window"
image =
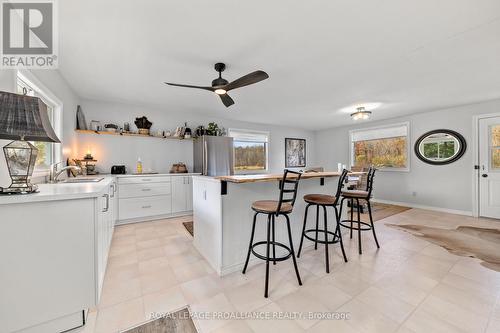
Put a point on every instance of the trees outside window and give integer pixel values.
(250, 150)
(384, 148)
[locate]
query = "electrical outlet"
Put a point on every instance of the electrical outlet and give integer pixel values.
(414, 193)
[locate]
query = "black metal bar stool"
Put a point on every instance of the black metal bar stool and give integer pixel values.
(356, 195)
(324, 200)
(273, 209)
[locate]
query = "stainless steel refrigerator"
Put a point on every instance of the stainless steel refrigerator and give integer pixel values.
(213, 156)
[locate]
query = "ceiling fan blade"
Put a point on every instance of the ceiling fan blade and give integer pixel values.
(246, 80)
(226, 99)
(189, 86)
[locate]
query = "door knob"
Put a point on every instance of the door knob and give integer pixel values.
(484, 175)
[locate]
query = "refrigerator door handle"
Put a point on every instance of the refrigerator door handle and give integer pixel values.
(205, 157)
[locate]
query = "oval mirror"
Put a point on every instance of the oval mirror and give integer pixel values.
(440, 147)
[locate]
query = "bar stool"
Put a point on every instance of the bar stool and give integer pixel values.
(357, 195)
(324, 200)
(273, 209)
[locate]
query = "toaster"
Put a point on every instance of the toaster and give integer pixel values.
(118, 170)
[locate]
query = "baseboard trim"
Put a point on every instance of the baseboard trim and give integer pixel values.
(433, 208)
(153, 218)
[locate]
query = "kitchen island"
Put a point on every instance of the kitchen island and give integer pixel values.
(223, 216)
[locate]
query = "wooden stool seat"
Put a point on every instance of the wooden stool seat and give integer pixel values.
(319, 199)
(355, 194)
(271, 206)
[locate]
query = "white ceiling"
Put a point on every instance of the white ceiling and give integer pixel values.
(321, 56)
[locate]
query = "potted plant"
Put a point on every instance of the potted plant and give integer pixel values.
(143, 125)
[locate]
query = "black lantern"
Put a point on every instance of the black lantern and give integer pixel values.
(23, 119)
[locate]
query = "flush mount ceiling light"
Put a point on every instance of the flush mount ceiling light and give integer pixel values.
(367, 105)
(361, 114)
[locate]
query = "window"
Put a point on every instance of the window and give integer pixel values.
(495, 147)
(439, 147)
(383, 147)
(250, 150)
(48, 152)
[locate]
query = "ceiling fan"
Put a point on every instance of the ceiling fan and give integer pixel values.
(221, 86)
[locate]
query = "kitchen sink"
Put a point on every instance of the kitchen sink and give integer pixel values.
(83, 180)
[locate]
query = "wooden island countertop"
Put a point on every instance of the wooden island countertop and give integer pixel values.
(239, 179)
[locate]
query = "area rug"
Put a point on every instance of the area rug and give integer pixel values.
(465, 241)
(380, 211)
(176, 322)
(189, 227)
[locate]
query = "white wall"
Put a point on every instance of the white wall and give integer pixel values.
(159, 155)
(57, 85)
(448, 186)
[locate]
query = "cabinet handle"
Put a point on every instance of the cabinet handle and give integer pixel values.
(146, 180)
(107, 203)
(149, 206)
(146, 189)
(113, 187)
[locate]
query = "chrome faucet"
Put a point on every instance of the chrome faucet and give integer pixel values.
(54, 173)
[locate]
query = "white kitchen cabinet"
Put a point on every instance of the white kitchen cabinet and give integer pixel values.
(105, 217)
(53, 246)
(146, 207)
(189, 194)
(207, 217)
(182, 194)
(144, 198)
(144, 190)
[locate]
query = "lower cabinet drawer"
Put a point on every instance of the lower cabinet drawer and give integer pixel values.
(131, 208)
(144, 179)
(143, 190)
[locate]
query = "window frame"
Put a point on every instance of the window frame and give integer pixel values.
(267, 145)
(384, 169)
(56, 104)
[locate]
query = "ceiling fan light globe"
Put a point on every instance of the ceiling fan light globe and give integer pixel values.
(220, 91)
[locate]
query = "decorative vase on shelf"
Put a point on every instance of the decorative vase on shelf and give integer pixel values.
(187, 132)
(81, 123)
(200, 131)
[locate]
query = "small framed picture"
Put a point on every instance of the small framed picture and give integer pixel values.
(295, 153)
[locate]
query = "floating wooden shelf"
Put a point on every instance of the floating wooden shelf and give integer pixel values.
(129, 134)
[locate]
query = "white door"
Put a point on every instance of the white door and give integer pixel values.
(178, 194)
(489, 167)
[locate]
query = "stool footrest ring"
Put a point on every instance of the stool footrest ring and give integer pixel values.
(271, 258)
(335, 240)
(363, 225)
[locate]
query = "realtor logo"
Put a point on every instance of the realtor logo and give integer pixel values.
(29, 38)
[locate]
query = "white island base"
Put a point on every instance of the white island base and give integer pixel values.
(223, 217)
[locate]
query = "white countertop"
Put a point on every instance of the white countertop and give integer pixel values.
(60, 191)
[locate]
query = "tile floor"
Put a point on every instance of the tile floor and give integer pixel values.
(409, 285)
